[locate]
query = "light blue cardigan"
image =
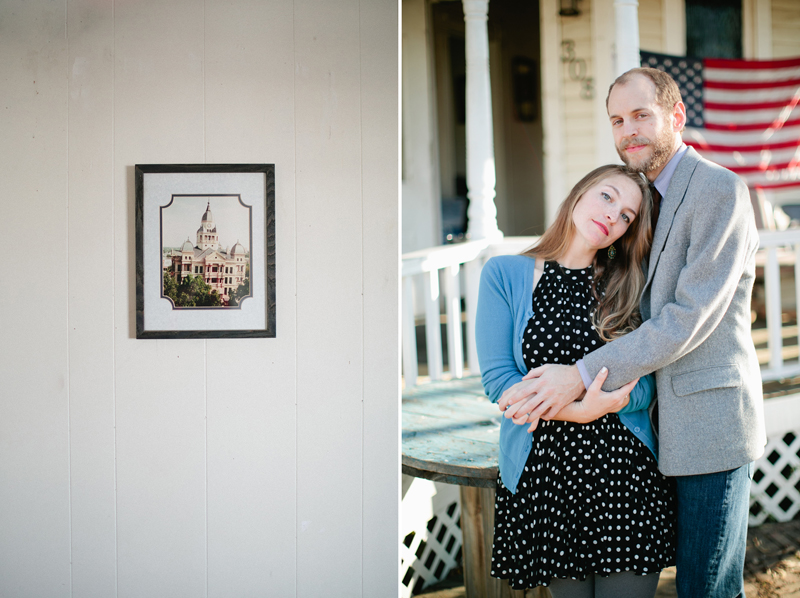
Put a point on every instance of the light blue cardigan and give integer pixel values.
(504, 307)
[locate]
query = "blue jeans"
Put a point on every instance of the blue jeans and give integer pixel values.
(712, 533)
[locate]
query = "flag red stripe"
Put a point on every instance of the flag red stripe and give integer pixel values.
(721, 63)
(743, 148)
(750, 84)
(763, 168)
(745, 107)
(752, 126)
(737, 93)
(777, 185)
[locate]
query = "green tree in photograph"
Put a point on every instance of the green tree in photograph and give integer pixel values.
(203, 294)
(192, 291)
(243, 290)
(170, 286)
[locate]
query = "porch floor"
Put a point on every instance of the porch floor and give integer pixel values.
(772, 567)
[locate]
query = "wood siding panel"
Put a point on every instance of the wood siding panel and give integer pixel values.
(785, 27)
(329, 297)
(34, 365)
(161, 388)
(90, 31)
(245, 467)
(252, 441)
(379, 165)
(651, 36)
(579, 125)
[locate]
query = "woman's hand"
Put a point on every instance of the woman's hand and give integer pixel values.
(521, 391)
(542, 393)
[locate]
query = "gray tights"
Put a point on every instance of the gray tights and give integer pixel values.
(617, 585)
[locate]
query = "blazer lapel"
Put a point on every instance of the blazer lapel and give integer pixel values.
(669, 205)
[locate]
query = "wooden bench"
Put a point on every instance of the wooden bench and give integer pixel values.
(451, 434)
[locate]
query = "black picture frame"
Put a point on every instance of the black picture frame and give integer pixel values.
(246, 310)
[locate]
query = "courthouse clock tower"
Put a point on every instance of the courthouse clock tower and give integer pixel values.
(207, 237)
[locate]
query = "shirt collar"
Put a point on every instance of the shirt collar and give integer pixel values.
(665, 176)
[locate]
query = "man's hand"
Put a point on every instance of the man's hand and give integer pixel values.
(595, 404)
(542, 393)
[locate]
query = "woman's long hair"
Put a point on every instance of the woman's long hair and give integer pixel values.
(617, 284)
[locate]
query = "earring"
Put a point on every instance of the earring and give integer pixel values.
(612, 252)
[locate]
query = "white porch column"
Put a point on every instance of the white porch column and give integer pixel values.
(626, 17)
(480, 137)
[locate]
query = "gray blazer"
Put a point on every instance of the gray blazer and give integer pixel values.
(696, 330)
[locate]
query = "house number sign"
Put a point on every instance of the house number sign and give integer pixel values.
(576, 67)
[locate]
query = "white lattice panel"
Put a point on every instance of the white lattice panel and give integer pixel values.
(776, 482)
(432, 535)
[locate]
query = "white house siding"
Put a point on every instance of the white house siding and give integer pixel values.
(651, 36)
(579, 122)
(251, 467)
(785, 28)
(587, 143)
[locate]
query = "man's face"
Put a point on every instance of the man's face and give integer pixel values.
(645, 136)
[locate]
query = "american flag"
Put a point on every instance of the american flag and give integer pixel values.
(741, 114)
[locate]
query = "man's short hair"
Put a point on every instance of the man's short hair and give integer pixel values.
(667, 92)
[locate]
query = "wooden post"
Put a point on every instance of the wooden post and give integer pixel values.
(772, 286)
(626, 18)
(410, 368)
(472, 277)
(477, 529)
(452, 294)
(433, 323)
(477, 523)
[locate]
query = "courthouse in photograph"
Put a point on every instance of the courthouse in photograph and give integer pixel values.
(224, 269)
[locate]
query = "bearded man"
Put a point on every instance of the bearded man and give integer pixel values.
(695, 336)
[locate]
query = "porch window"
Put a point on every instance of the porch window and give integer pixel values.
(724, 39)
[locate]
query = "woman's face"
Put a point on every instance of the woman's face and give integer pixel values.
(605, 211)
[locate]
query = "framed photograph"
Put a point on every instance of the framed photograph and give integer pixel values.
(205, 250)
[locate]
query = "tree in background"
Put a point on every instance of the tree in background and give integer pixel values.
(192, 291)
(243, 290)
(170, 286)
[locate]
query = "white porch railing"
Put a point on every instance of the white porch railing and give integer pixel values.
(434, 268)
(780, 250)
(453, 267)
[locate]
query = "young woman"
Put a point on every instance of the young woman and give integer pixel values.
(581, 505)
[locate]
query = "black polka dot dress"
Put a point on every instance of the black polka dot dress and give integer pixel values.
(591, 498)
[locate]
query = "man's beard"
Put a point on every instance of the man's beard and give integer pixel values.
(661, 148)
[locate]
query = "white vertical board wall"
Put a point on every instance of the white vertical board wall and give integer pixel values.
(161, 386)
(329, 327)
(92, 255)
(381, 213)
(252, 442)
(34, 316)
(248, 467)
